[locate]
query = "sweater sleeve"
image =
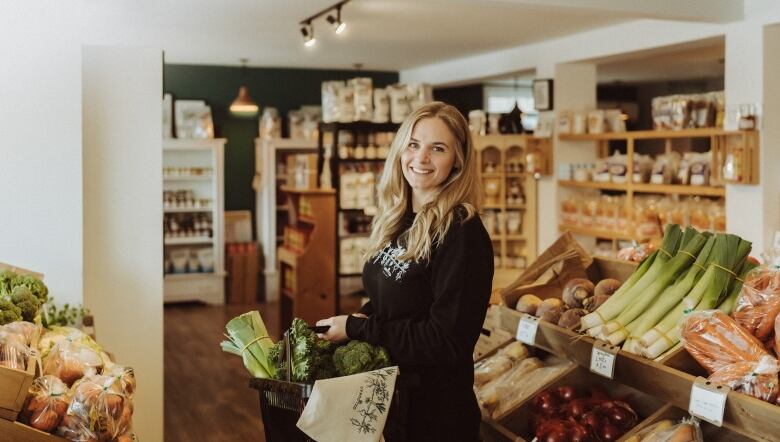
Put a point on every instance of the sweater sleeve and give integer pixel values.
(461, 280)
(367, 309)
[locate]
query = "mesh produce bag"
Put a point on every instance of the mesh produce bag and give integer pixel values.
(46, 404)
(759, 301)
(731, 355)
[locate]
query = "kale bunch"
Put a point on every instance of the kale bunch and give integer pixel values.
(358, 357)
(312, 357)
(9, 312)
(28, 303)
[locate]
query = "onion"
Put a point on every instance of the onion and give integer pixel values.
(567, 392)
(593, 421)
(579, 433)
(610, 433)
(547, 403)
(621, 415)
(576, 408)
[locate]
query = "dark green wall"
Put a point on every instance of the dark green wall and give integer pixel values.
(284, 89)
(464, 98)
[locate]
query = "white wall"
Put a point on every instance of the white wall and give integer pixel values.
(40, 152)
(122, 91)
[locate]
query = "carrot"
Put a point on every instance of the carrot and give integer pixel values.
(716, 340)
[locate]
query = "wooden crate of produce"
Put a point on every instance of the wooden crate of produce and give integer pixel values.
(669, 412)
(516, 426)
(492, 336)
(19, 432)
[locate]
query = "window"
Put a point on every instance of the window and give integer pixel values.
(501, 99)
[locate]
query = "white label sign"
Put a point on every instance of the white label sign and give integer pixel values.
(602, 359)
(708, 401)
(526, 329)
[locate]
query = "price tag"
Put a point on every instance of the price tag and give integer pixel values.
(708, 401)
(526, 329)
(602, 359)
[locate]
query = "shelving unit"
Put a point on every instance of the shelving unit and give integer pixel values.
(722, 143)
(332, 164)
(307, 272)
(271, 206)
(510, 190)
(196, 165)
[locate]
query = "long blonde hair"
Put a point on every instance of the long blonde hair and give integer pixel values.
(433, 220)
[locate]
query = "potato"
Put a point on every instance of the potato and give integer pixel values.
(528, 304)
(571, 318)
(45, 420)
(575, 291)
(550, 310)
(606, 287)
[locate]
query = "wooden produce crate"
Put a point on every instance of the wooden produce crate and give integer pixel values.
(492, 336)
(710, 432)
(516, 426)
(19, 432)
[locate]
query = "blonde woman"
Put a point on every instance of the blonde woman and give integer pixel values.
(428, 274)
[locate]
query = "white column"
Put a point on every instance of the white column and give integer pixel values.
(574, 88)
(123, 274)
(752, 69)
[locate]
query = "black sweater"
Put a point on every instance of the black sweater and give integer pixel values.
(429, 316)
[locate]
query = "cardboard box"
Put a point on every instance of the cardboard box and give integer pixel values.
(238, 226)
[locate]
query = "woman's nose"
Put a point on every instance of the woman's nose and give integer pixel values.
(423, 155)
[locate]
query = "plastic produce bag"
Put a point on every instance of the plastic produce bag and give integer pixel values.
(124, 375)
(22, 328)
(731, 355)
(759, 301)
(490, 368)
(518, 388)
(47, 403)
(686, 431)
(98, 411)
(491, 396)
(13, 350)
(73, 358)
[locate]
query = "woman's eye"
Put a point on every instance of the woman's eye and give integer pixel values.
(438, 148)
(413, 145)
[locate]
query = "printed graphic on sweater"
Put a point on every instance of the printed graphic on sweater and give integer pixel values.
(391, 266)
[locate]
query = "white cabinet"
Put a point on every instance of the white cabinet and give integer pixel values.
(271, 212)
(193, 214)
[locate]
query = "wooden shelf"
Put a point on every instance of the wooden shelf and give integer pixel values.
(606, 234)
(670, 381)
(516, 206)
(515, 175)
(194, 275)
(651, 134)
(207, 177)
(493, 206)
(490, 174)
(188, 209)
(188, 241)
(289, 189)
(364, 160)
(515, 237)
(676, 189)
(193, 143)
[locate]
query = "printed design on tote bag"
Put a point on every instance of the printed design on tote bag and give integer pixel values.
(391, 266)
(373, 400)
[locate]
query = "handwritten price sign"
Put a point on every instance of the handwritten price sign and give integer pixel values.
(708, 401)
(602, 359)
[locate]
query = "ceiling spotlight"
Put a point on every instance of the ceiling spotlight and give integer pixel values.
(307, 30)
(336, 21)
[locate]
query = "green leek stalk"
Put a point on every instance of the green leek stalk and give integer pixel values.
(728, 304)
(730, 251)
(671, 270)
(248, 338)
(646, 273)
(668, 299)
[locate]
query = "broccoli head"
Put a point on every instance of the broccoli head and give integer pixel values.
(22, 297)
(358, 357)
(6, 281)
(36, 286)
(9, 312)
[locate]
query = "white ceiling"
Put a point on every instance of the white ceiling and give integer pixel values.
(381, 34)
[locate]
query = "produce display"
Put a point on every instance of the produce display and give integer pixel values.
(667, 431)
(758, 305)
(311, 358)
(579, 298)
(570, 414)
(507, 378)
(690, 271)
(15, 344)
(731, 355)
(21, 297)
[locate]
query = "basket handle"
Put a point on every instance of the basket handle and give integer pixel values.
(288, 356)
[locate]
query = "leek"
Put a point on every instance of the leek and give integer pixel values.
(671, 270)
(645, 275)
(248, 338)
(730, 251)
(670, 297)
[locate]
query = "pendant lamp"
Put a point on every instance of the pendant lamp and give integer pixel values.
(243, 105)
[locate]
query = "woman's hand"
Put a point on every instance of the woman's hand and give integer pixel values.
(337, 331)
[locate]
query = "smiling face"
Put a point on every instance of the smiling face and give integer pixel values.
(428, 159)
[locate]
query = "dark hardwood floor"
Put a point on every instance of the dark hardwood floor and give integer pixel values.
(207, 394)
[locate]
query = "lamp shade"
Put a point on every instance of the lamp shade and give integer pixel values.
(243, 105)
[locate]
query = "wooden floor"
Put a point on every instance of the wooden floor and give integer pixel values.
(207, 394)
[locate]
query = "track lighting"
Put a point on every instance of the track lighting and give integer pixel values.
(333, 18)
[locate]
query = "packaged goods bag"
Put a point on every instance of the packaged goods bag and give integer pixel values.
(349, 408)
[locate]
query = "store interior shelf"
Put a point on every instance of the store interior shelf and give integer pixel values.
(362, 160)
(605, 234)
(206, 177)
(511, 237)
(188, 241)
(193, 143)
(676, 189)
(194, 275)
(289, 189)
(744, 414)
(651, 134)
(187, 209)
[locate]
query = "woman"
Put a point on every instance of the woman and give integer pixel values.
(428, 273)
